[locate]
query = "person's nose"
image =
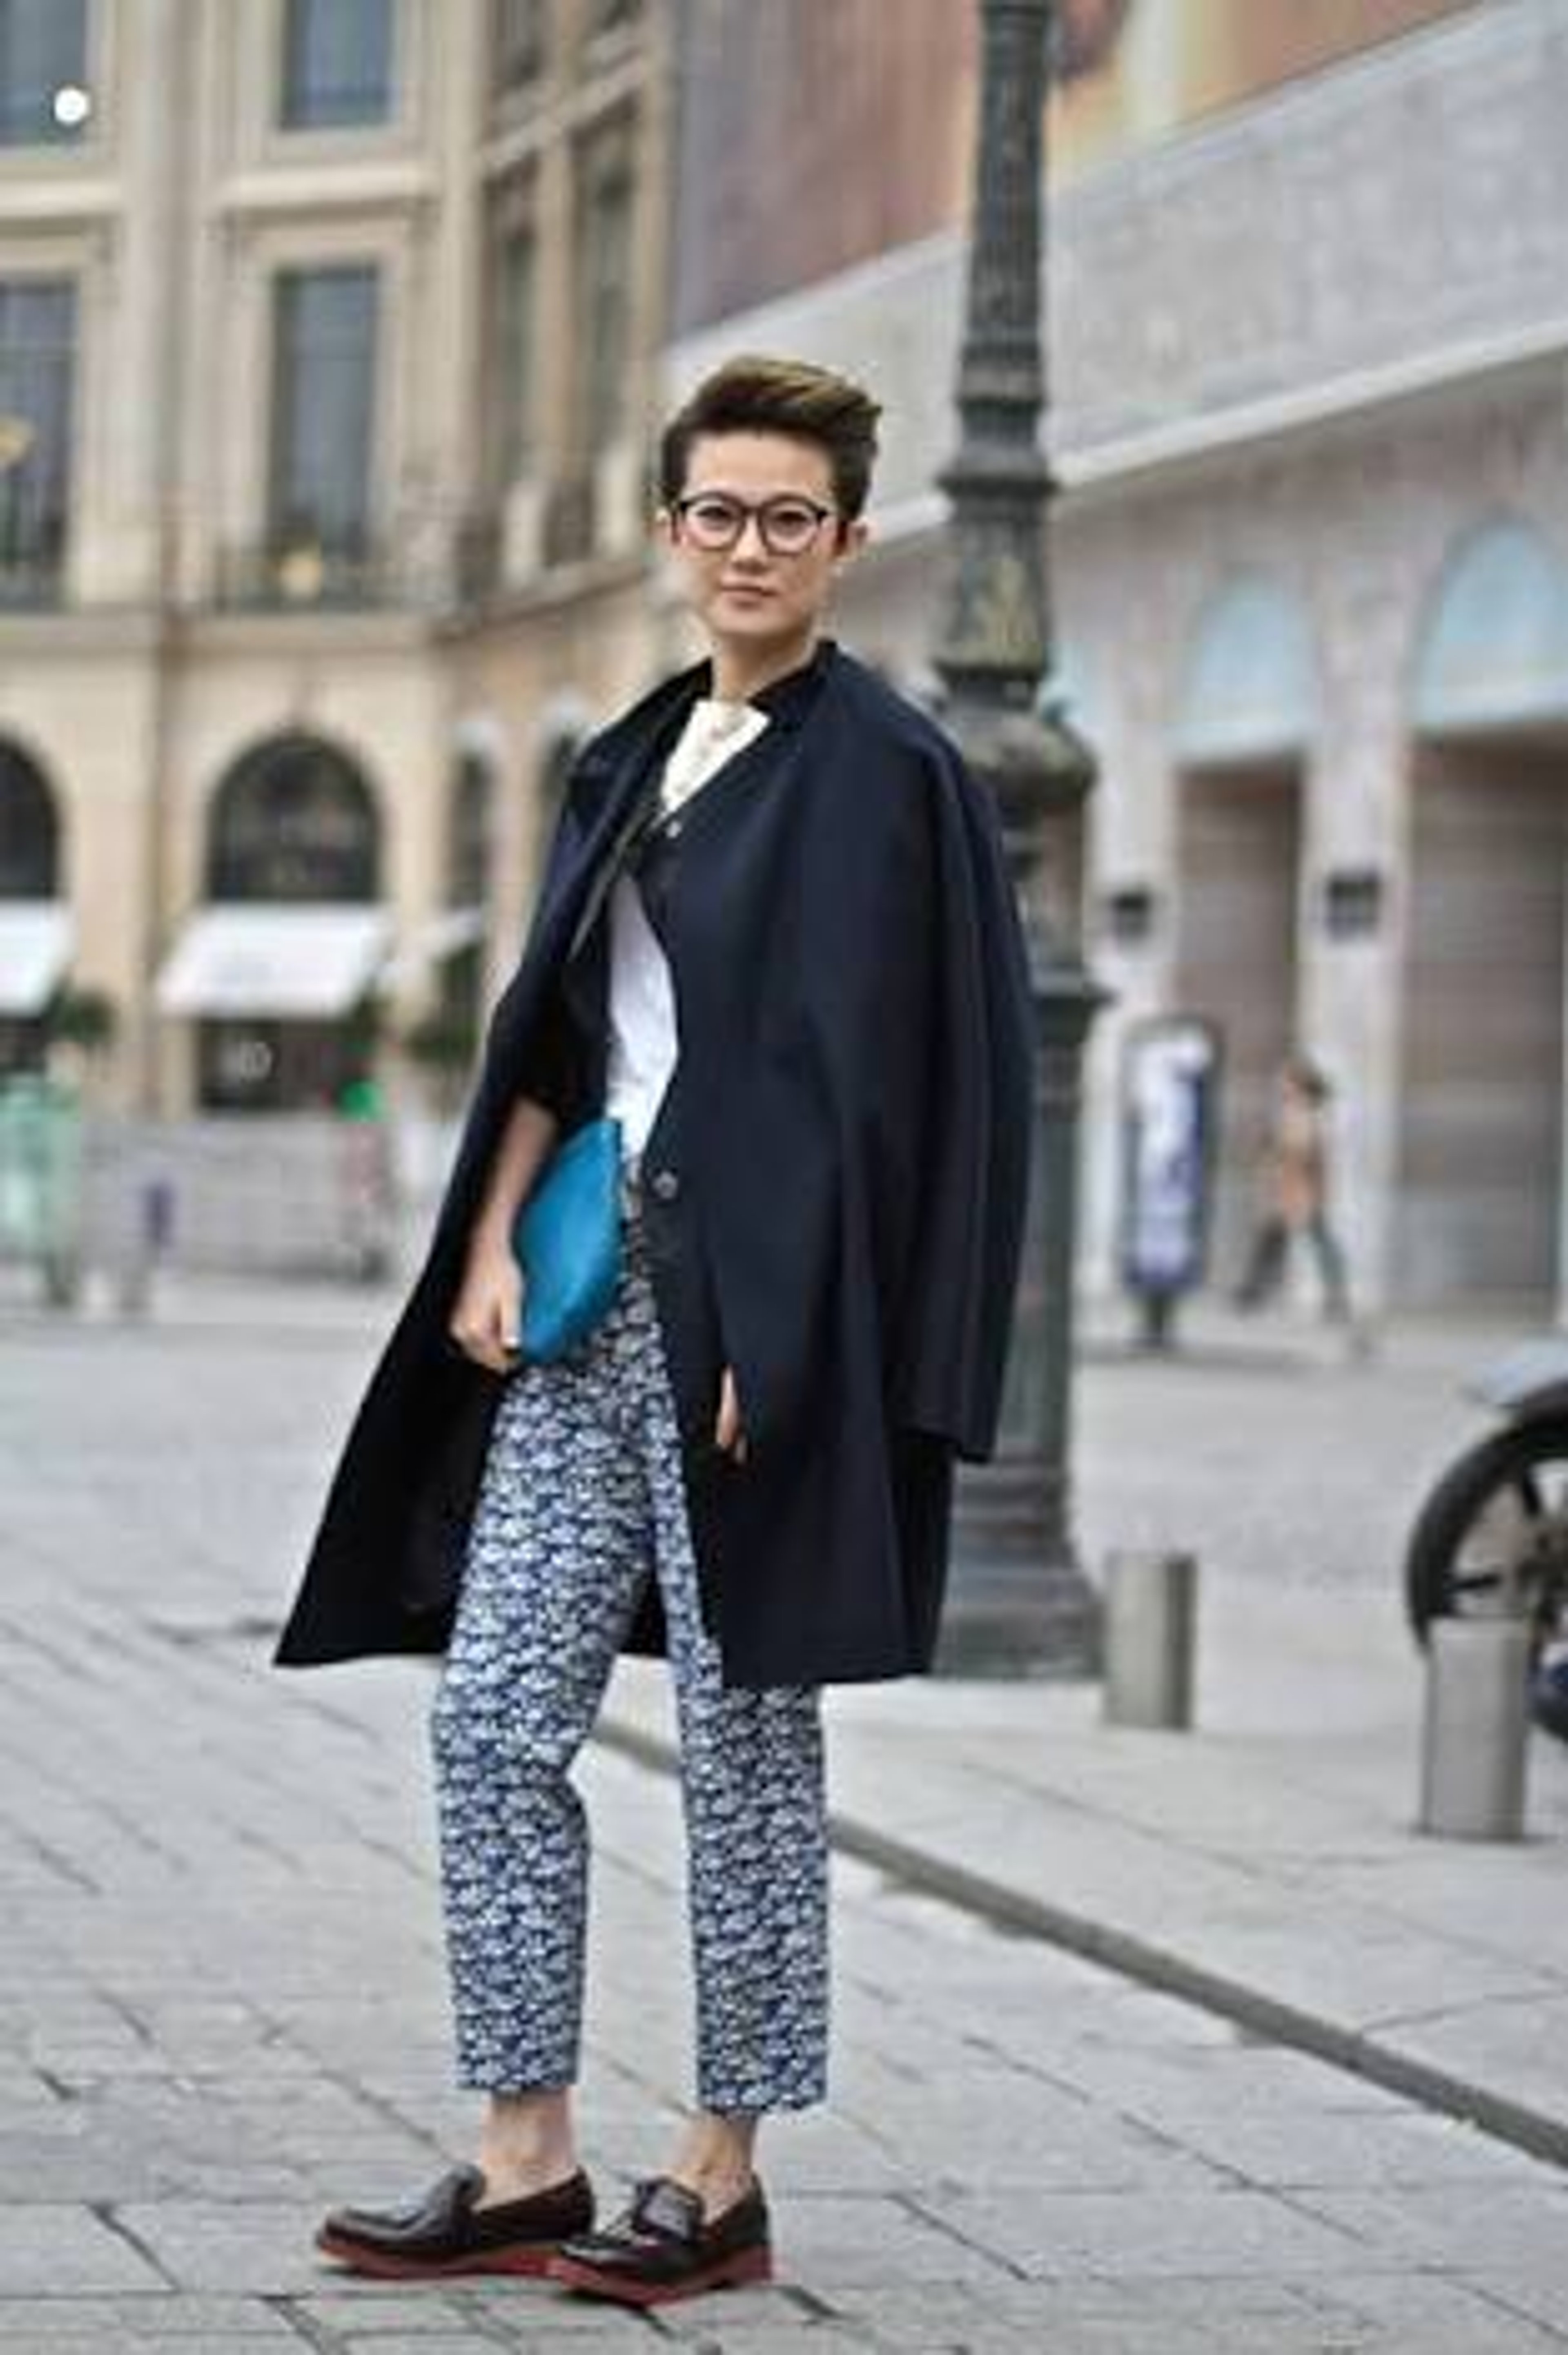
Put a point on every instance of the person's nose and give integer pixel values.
(750, 543)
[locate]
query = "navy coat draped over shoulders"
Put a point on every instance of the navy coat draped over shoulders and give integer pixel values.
(855, 1076)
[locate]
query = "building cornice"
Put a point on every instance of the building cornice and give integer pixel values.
(326, 191)
(26, 206)
(1357, 394)
(1361, 397)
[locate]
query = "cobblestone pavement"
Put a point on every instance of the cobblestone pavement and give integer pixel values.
(222, 2004)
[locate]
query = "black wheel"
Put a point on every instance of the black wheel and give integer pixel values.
(1492, 1538)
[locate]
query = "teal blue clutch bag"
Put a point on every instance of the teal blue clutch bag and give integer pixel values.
(567, 1240)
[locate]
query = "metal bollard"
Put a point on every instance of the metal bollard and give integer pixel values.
(1151, 1618)
(1477, 1729)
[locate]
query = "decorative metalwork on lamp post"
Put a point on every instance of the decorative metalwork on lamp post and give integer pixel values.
(1020, 1601)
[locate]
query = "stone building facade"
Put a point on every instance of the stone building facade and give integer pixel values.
(324, 329)
(1309, 362)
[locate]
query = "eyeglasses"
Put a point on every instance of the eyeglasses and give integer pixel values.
(714, 520)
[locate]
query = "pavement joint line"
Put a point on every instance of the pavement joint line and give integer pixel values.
(1536, 2132)
(109, 2216)
(305, 2327)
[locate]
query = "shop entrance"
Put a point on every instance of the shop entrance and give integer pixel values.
(1238, 852)
(1482, 1110)
(1479, 1215)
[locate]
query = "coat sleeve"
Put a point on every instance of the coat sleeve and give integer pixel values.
(973, 1178)
(553, 1071)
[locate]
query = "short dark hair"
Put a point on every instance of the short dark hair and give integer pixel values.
(754, 395)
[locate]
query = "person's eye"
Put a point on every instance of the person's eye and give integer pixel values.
(790, 515)
(711, 515)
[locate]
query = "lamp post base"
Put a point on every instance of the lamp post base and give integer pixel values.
(1019, 1604)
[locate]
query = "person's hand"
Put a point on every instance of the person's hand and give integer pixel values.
(486, 1321)
(729, 1436)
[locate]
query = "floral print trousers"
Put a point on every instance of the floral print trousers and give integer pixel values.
(581, 1501)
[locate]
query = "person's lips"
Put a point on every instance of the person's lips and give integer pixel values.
(745, 588)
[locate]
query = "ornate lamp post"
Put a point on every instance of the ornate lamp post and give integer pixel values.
(1020, 1601)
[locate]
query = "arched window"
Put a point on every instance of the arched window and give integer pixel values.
(29, 830)
(1494, 654)
(1250, 690)
(469, 820)
(293, 820)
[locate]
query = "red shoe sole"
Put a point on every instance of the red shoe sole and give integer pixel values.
(746, 2267)
(533, 2261)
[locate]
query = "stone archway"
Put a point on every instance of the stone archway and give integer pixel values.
(1482, 1164)
(34, 926)
(1245, 722)
(30, 860)
(277, 968)
(294, 820)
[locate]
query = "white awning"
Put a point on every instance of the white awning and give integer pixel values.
(446, 936)
(304, 963)
(432, 944)
(37, 937)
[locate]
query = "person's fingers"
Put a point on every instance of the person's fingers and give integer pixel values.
(504, 1328)
(488, 1329)
(729, 1436)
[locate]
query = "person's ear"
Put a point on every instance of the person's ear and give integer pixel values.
(852, 537)
(664, 526)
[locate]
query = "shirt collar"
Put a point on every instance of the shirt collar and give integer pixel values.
(785, 701)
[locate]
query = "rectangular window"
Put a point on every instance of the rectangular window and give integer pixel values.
(518, 42)
(44, 99)
(37, 361)
(337, 63)
(323, 414)
(604, 286)
(512, 370)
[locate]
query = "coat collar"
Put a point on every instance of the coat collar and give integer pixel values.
(787, 700)
(662, 714)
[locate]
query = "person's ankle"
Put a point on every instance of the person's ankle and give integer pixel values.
(516, 2173)
(719, 2179)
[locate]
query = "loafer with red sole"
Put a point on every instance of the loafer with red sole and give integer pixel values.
(663, 2249)
(447, 2232)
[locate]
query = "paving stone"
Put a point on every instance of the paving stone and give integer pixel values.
(373, 2309)
(1536, 2289)
(1456, 2226)
(823, 2246)
(473, 2341)
(1219, 2232)
(259, 2246)
(46, 2248)
(1441, 2303)
(1340, 2149)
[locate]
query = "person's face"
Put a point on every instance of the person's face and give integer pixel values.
(749, 596)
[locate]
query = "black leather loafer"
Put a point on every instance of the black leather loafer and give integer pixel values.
(446, 2232)
(662, 2249)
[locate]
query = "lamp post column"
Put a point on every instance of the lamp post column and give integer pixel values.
(1020, 1601)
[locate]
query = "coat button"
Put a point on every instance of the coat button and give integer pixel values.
(666, 1185)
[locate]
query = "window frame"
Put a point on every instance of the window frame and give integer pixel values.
(289, 124)
(40, 572)
(607, 159)
(358, 546)
(58, 140)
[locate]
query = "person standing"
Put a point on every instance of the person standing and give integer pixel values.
(778, 943)
(1293, 1184)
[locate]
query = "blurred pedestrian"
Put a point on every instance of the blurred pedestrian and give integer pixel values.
(748, 1460)
(1293, 1191)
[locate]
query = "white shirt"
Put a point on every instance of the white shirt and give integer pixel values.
(644, 1041)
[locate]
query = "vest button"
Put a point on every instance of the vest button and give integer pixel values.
(666, 1185)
